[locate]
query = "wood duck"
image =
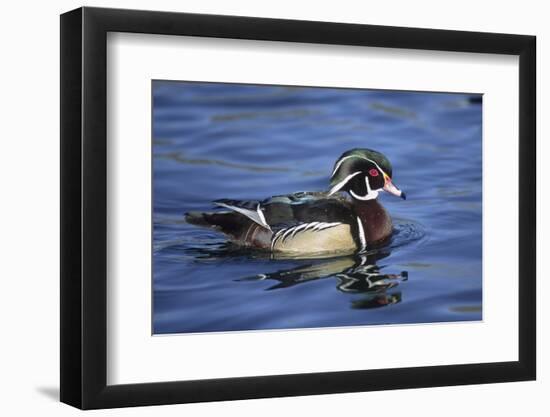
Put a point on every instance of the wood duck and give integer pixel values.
(314, 222)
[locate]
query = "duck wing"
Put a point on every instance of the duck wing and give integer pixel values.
(306, 207)
(256, 223)
(292, 209)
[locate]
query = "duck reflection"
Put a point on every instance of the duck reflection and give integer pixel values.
(358, 274)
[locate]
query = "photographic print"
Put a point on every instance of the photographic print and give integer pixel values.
(293, 207)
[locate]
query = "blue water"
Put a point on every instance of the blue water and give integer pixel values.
(213, 141)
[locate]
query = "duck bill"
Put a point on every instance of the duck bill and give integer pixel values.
(392, 189)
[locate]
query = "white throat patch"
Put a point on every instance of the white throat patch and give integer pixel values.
(371, 194)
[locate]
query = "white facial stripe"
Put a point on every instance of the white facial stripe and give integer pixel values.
(367, 182)
(339, 163)
(338, 186)
(371, 196)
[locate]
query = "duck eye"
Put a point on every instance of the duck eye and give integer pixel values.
(373, 172)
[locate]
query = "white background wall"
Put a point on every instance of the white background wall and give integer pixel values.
(29, 176)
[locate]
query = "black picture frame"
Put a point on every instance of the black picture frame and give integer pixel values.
(84, 207)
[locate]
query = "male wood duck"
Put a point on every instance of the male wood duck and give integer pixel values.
(315, 222)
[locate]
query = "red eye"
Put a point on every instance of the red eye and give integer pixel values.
(373, 173)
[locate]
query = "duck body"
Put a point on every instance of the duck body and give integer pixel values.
(304, 222)
(314, 222)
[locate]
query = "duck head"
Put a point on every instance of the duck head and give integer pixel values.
(363, 173)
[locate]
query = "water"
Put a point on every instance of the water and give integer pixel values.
(214, 141)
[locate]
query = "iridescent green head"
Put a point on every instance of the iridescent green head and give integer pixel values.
(363, 173)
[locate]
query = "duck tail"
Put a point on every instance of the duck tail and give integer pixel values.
(198, 218)
(230, 223)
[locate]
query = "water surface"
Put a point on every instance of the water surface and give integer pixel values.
(213, 141)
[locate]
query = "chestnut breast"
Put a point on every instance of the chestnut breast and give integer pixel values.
(376, 221)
